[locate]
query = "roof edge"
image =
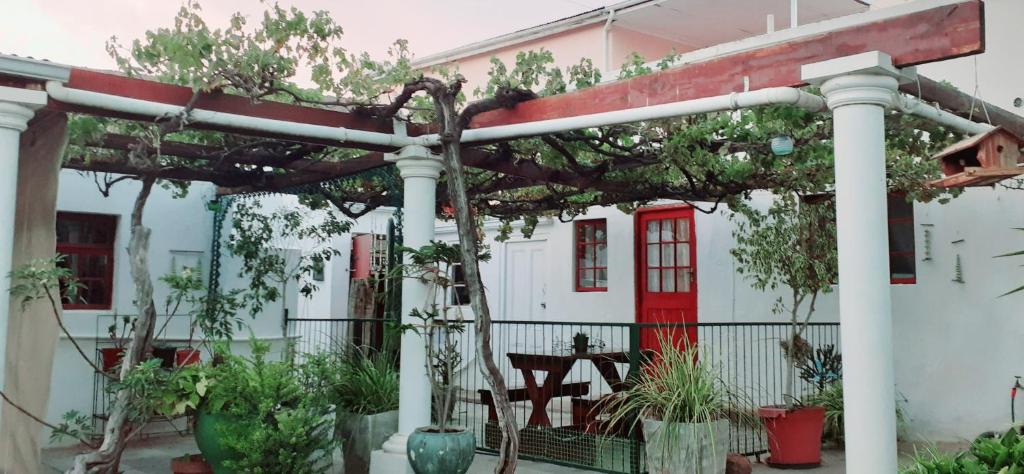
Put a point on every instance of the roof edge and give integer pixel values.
(33, 68)
(590, 17)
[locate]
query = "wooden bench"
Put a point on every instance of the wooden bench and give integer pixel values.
(519, 394)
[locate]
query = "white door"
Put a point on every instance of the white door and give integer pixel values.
(525, 281)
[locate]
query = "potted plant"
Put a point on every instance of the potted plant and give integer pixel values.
(110, 357)
(440, 448)
(363, 385)
(790, 245)
(256, 415)
(580, 342)
(684, 410)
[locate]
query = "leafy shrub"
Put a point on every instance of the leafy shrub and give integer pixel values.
(988, 454)
(281, 426)
(356, 381)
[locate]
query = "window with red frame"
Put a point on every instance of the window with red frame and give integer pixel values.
(87, 242)
(591, 255)
(902, 262)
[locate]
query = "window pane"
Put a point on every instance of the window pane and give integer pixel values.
(586, 278)
(586, 257)
(91, 266)
(667, 255)
(683, 254)
(654, 281)
(901, 237)
(601, 279)
(588, 232)
(683, 280)
(668, 280)
(901, 266)
(899, 207)
(602, 255)
(600, 235)
(683, 229)
(667, 231)
(653, 234)
(652, 256)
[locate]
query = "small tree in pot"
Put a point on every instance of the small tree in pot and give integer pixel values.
(684, 409)
(790, 245)
(440, 448)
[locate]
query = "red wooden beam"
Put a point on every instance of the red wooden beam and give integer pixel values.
(935, 34)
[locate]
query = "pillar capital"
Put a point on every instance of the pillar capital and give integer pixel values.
(865, 78)
(18, 106)
(415, 161)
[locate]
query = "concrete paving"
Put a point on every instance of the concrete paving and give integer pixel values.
(152, 456)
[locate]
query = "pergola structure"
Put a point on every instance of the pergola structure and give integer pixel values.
(862, 64)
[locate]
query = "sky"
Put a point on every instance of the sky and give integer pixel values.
(76, 31)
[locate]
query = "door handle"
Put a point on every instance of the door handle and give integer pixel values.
(544, 305)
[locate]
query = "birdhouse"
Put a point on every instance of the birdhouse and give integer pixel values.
(980, 160)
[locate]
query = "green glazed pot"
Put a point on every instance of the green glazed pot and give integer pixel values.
(207, 434)
(431, 452)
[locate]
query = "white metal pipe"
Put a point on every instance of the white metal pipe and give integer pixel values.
(912, 105)
(733, 101)
(57, 91)
(794, 10)
(608, 40)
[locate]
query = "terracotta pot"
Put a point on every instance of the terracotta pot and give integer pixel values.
(794, 435)
(186, 356)
(191, 464)
(110, 357)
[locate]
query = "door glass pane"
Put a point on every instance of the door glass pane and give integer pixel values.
(653, 281)
(667, 231)
(599, 234)
(683, 229)
(589, 232)
(652, 232)
(668, 280)
(683, 280)
(683, 254)
(602, 255)
(667, 256)
(601, 278)
(652, 256)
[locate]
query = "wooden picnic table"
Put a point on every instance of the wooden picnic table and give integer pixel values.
(557, 367)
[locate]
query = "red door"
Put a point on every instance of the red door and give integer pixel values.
(666, 271)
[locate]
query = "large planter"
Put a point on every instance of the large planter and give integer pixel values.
(186, 356)
(794, 435)
(110, 358)
(362, 434)
(208, 430)
(431, 452)
(698, 448)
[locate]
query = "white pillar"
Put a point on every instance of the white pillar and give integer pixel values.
(17, 107)
(858, 90)
(420, 170)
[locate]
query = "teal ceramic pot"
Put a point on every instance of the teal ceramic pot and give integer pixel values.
(207, 434)
(441, 453)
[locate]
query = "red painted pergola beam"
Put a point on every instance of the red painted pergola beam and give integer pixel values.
(935, 34)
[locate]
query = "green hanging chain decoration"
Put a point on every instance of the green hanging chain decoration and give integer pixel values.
(219, 206)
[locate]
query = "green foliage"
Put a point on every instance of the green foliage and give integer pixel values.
(679, 386)
(831, 398)
(215, 314)
(281, 425)
(262, 240)
(355, 380)
(790, 245)
(822, 367)
(43, 279)
(987, 455)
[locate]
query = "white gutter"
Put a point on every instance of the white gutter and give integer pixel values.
(912, 105)
(733, 101)
(33, 68)
(156, 110)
